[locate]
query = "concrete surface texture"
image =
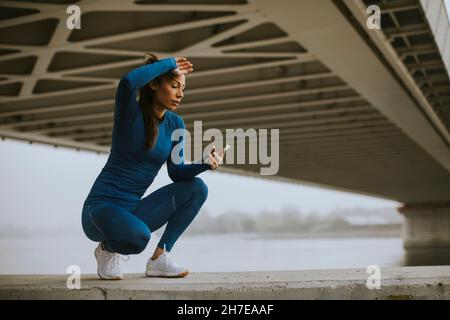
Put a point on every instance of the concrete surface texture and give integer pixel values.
(395, 283)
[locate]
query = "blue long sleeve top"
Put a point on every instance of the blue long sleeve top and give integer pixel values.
(130, 170)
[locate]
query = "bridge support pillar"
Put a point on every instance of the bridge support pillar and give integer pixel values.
(426, 234)
(426, 225)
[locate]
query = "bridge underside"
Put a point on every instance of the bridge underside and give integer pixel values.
(349, 118)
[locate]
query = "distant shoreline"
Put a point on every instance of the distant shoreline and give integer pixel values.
(320, 235)
(359, 231)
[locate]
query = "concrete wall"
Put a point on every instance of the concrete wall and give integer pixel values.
(395, 283)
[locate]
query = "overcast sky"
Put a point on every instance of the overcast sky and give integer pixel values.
(45, 186)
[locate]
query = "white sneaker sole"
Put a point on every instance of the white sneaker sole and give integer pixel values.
(103, 277)
(152, 273)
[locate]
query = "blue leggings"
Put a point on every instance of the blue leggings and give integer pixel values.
(128, 232)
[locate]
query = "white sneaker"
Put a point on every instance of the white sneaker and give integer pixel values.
(107, 264)
(164, 266)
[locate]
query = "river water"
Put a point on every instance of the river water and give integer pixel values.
(212, 253)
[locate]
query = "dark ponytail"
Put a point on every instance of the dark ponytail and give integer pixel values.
(146, 105)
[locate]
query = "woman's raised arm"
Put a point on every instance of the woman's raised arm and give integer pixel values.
(142, 75)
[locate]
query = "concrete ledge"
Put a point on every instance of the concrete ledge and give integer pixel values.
(396, 283)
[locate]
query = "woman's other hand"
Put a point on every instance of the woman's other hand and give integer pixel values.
(215, 158)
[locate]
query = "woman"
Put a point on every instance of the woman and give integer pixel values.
(114, 213)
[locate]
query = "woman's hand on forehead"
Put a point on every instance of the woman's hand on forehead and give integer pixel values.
(184, 66)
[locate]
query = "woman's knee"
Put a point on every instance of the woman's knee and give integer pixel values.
(200, 188)
(138, 241)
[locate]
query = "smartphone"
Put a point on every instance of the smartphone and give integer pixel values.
(223, 152)
(227, 146)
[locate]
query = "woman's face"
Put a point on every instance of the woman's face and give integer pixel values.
(170, 91)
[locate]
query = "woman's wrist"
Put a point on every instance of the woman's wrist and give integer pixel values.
(172, 62)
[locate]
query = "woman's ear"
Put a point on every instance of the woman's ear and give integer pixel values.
(153, 85)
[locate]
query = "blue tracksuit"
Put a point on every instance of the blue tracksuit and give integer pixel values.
(113, 211)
